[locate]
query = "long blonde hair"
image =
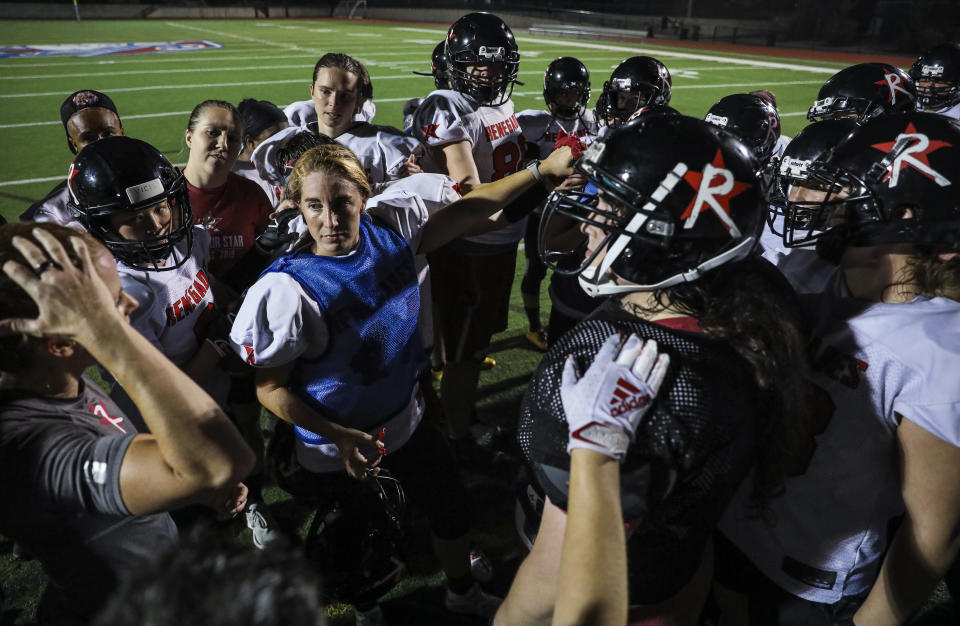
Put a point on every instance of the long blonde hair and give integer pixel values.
(330, 159)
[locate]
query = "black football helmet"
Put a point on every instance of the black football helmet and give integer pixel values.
(119, 175)
(566, 74)
(438, 67)
(939, 64)
(682, 197)
(792, 169)
(892, 163)
(751, 119)
(482, 39)
(355, 537)
(864, 91)
(644, 81)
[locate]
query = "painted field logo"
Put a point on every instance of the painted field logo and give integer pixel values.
(106, 49)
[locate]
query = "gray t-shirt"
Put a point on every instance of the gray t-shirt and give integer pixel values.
(60, 469)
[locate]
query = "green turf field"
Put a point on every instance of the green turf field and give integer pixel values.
(273, 60)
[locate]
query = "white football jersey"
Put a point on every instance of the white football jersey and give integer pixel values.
(382, 150)
(542, 129)
(953, 112)
(53, 208)
(172, 301)
(303, 113)
(498, 146)
(872, 363)
(249, 170)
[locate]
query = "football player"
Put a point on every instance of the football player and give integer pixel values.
(341, 85)
(882, 239)
(87, 116)
(675, 250)
(85, 490)
(261, 120)
(438, 71)
(793, 184)
(864, 91)
(566, 92)
(937, 75)
(636, 83)
(473, 135)
(751, 119)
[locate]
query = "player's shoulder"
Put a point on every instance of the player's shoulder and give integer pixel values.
(446, 101)
(300, 113)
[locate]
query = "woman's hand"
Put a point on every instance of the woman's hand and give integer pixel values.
(604, 407)
(233, 503)
(361, 452)
(559, 163)
(74, 302)
(410, 166)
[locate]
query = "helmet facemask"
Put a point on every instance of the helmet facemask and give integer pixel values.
(493, 89)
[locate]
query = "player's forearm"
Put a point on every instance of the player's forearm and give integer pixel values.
(284, 404)
(593, 570)
(914, 564)
(194, 437)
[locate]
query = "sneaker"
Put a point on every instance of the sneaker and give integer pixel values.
(371, 617)
(538, 338)
(474, 602)
(264, 527)
(488, 363)
(480, 566)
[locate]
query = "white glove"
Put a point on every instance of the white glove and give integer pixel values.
(605, 406)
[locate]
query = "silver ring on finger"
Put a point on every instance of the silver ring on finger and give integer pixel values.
(44, 265)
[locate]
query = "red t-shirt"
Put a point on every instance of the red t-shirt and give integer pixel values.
(234, 215)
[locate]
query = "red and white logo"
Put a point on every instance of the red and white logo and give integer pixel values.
(913, 155)
(105, 418)
(626, 397)
(248, 355)
(892, 81)
(715, 187)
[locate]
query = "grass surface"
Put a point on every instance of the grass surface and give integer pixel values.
(273, 60)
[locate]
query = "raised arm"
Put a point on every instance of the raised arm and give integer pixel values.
(482, 204)
(928, 540)
(593, 568)
(194, 453)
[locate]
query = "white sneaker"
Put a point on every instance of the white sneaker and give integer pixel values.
(373, 617)
(264, 527)
(474, 602)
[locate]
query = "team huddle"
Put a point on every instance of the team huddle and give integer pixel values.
(745, 412)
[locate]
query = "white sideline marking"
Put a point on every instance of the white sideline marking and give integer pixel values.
(682, 55)
(411, 29)
(392, 77)
(180, 71)
(125, 117)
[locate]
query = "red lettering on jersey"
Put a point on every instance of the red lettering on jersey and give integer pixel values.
(203, 278)
(188, 305)
(171, 318)
(200, 288)
(192, 293)
(430, 131)
(177, 311)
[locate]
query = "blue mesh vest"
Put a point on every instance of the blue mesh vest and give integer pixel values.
(370, 301)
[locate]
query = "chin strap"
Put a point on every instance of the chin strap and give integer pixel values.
(597, 282)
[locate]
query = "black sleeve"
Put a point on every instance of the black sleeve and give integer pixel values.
(524, 205)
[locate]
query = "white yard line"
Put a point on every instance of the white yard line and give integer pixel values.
(682, 55)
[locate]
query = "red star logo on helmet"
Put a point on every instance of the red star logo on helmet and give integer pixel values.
(715, 186)
(892, 81)
(914, 155)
